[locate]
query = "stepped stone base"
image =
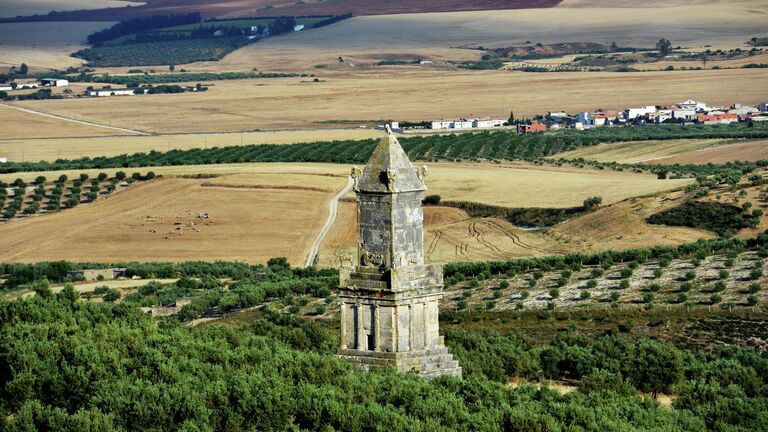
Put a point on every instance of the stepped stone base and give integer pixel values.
(428, 363)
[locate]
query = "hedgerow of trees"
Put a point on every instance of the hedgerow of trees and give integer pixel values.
(496, 146)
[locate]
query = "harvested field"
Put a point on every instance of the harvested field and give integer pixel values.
(422, 95)
(430, 35)
(68, 148)
(623, 226)
(652, 151)
(19, 124)
(258, 211)
(44, 45)
(218, 8)
(520, 185)
(450, 235)
(13, 8)
(748, 151)
(176, 220)
(506, 185)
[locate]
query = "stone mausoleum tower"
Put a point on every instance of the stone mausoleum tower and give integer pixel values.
(389, 301)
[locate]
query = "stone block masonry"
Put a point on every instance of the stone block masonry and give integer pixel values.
(389, 301)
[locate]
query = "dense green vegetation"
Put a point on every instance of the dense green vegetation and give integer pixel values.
(701, 248)
(142, 24)
(165, 78)
(712, 216)
(161, 52)
(500, 145)
(69, 365)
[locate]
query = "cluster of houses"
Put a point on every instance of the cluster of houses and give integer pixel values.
(469, 123)
(688, 112)
(28, 83)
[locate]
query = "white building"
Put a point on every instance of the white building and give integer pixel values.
(54, 82)
(26, 84)
(633, 113)
(5, 87)
(739, 109)
(442, 124)
(110, 92)
(462, 124)
(488, 123)
(660, 116)
(693, 105)
(684, 114)
(3, 160)
(298, 27)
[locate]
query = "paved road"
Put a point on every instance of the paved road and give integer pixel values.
(83, 122)
(332, 210)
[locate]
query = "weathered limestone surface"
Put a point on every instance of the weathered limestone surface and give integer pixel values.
(389, 301)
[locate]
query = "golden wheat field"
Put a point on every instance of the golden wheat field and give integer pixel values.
(668, 152)
(32, 149)
(450, 235)
(19, 124)
(257, 211)
(175, 220)
(442, 36)
(293, 103)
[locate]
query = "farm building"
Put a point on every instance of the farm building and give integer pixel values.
(54, 82)
(26, 84)
(3, 160)
(693, 105)
(684, 114)
(5, 87)
(534, 127)
(298, 27)
(467, 123)
(96, 274)
(633, 113)
(110, 92)
(717, 118)
(488, 123)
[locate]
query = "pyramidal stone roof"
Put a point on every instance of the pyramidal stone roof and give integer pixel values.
(389, 170)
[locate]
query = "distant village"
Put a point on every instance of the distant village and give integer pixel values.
(688, 112)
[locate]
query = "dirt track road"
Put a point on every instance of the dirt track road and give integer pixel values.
(332, 211)
(82, 122)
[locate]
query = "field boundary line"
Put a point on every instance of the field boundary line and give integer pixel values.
(332, 211)
(83, 122)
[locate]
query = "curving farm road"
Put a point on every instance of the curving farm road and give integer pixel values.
(332, 211)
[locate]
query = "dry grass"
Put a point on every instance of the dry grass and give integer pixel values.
(450, 235)
(623, 226)
(14, 8)
(293, 103)
(507, 185)
(641, 151)
(19, 124)
(669, 152)
(430, 35)
(50, 149)
(263, 210)
(161, 220)
(522, 185)
(748, 151)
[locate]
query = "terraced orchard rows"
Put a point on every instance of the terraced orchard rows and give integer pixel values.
(499, 145)
(20, 199)
(728, 280)
(726, 272)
